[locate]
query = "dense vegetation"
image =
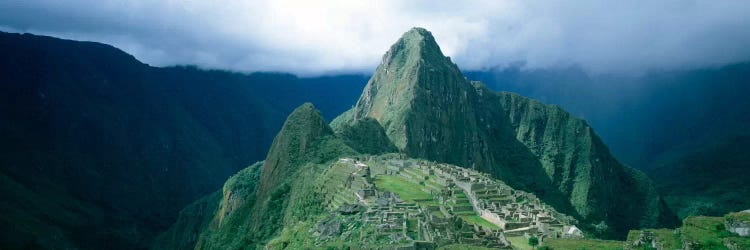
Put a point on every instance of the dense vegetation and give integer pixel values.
(684, 128)
(712, 180)
(98, 149)
(263, 199)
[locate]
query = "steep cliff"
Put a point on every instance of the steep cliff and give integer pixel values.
(580, 165)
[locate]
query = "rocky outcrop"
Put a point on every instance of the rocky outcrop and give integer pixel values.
(738, 223)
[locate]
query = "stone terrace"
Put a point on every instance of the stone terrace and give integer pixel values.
(422, 203)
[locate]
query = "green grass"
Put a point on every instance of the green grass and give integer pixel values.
(741, 216)
(668, 238)
(476, 220)
(584, 244)
(519, 242)
(405, 189)
(462, 247)
(709, 232)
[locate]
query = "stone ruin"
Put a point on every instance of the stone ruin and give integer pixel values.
(456, 192)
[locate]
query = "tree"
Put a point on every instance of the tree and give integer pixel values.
(533, 241)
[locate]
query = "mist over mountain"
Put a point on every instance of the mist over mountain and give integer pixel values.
(100, 150)
(335, 36)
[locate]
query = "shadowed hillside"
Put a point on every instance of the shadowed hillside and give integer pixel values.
(98, 148)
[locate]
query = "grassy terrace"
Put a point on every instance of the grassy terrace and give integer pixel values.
(462, 247)
(739, 216)
(519, 243)
(470, 216)
(584, 244)
(710, 233)
(476, 220)
(407, 190)
(667, 237)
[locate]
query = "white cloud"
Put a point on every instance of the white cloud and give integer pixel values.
(314, 37)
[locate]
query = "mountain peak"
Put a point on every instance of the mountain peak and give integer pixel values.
(415, 46)
(302, 130)
(412, 67)
(420, 36)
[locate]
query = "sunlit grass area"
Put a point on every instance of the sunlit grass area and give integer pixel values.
(519, 242)
(477, 220)
(463, 247)
(584, 244)
(407, 190)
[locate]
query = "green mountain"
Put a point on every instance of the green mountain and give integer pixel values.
(686, 129)
(474, 168)
(429, 110)
(259, 201)
(312, 191)
(98, 150)
(709, 180)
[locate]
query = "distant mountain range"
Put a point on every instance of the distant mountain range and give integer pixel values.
(98, 149)
(641, 117)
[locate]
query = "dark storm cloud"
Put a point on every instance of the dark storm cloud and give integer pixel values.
(313, 37)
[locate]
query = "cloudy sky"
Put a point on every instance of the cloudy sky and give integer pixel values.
(325, 37)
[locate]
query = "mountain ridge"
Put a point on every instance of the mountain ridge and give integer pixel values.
(423, 121)
(95, 140)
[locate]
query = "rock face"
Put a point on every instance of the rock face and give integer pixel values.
(429, 110)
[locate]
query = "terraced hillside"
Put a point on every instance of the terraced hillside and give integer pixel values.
(391, 200)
